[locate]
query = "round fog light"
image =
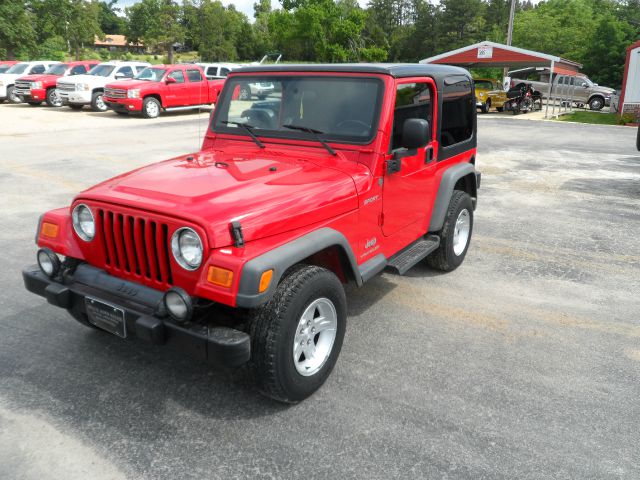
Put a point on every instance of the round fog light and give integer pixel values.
(48, 262)
(178, 304)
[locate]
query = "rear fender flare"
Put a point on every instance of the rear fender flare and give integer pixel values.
(449, 179)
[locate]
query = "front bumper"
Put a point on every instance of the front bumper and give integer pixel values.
(143, 313)
(83, 97)
(124, 104)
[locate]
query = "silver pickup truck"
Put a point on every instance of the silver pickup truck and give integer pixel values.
(580, 88)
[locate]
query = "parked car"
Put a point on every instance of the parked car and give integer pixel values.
(246, 91)
(20, 69)
(163, 87)
(489, 93)
(583, 90)
(238, 253)
(80, 90)
(6, 65)
(34, 89)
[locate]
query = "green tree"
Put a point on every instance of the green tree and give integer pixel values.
(110, 20)
(82, 25)
(156, 23)
(607, 53)
(17, 33)
(460, 23)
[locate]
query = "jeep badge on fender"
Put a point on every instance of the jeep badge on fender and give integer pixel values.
(339, 172)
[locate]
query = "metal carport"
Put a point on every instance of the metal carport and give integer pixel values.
(491, 54)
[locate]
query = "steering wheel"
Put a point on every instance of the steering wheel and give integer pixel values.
(357, 126)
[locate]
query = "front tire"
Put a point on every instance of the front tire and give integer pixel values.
(596, 103)
(296, 337)
(151, 108)
(12, 96)
(97, 102)
(486, 106)
(53, 99)
(245, 93)
(455, 235)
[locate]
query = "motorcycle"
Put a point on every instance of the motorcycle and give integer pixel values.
(520, 99)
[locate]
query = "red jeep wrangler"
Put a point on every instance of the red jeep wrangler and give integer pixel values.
(238, 253)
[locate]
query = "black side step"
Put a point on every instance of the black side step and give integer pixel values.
(409, 256)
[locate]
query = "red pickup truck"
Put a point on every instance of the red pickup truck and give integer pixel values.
(163, 87)
(34, 89)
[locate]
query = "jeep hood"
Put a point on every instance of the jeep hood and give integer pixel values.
(267, 192)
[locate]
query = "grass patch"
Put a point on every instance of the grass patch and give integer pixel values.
(591, 117)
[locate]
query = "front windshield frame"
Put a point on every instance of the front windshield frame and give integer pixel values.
(17, 66)
(158, 79)
(99, 67)
(283, 133)
(63, 67)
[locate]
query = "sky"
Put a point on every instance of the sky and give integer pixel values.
(244, 6)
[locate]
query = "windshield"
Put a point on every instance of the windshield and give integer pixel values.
(483, 84)
(4, 68)
(102, 70)
(333, 108)
(18, 68)
(57, 69)
(151, 74)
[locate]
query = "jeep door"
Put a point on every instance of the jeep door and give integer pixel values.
(176, 93)
(408, 192)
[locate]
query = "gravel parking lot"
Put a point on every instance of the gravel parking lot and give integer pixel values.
(523, 363)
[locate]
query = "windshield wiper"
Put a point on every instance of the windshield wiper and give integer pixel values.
(248, 128)
(315, 133)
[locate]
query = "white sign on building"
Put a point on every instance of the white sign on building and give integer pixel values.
(485, 52)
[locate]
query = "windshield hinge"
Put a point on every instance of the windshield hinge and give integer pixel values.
(236, 233)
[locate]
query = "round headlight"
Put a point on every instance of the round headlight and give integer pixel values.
(48, 262)
(187, 248)
(83, 222)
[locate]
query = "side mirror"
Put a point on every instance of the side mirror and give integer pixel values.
(584, 85)
(120, 76)
(416, 133)
(170, 80)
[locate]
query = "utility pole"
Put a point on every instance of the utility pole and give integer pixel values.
(512, 12)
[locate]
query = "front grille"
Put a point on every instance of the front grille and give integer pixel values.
(135, 247)
(67, 87)
(115, 93)
(23, 85)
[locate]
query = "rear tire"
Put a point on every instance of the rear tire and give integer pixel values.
(97, 102)
(455, 235)
(486, 106)
(306, 316)
(245, 93)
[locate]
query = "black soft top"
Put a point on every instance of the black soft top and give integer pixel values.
(397, 70)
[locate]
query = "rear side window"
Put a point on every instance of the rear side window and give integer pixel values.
(224, 72)
(413, 100)
(458, 107)
(78, 70)
(194, 75)
(126, 71)
(212, 71)
(38, 69)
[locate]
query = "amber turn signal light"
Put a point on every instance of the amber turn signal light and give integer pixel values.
(265, 280)
(220, 276)
(49, 230)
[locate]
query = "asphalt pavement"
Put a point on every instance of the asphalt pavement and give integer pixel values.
(522, 364)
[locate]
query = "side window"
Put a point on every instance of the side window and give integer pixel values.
(78, 70)
(458, 107)
(212, 72)
(413, 100)
(177, 75)
(139, 68)
(38, 69)
(224, 72)
(126, 71)
(194, 75)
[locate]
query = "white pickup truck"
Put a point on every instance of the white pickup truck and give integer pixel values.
(8, 78)
(80, 90)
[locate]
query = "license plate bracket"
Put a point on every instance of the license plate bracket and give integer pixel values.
(106, 316)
